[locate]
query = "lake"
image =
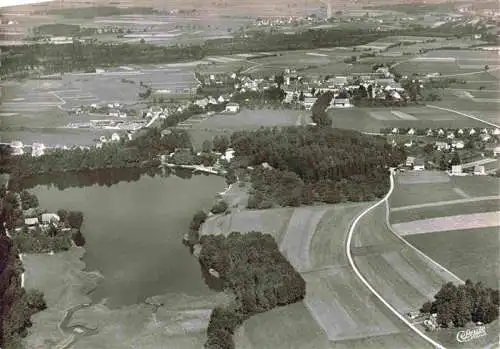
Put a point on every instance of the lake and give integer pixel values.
(134, 231)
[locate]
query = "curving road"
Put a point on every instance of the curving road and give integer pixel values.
(367, 284)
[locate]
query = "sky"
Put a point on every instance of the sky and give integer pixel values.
(7, 3)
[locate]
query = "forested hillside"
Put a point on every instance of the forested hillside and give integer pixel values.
(314, 164)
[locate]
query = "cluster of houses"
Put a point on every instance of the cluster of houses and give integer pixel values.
(276, 21)
(484, 134)
(17, 148)
(377, 86)
(44, 220)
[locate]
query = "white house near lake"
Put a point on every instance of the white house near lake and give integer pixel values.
(31, 221)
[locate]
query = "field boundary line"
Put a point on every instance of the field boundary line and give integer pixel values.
(426, 257)
(367, 284)
(441, 203)
(463, 114)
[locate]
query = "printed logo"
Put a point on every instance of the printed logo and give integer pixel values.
(470, 334)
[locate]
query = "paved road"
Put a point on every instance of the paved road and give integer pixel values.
(441, 203)
(348, 246)
(463, 114)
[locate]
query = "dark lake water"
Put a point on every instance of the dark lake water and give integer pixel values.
(134, 233)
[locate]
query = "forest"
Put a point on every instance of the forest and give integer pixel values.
(456, 306)
(88, 56)
(17, 305)
(313, 164)
(252, 268)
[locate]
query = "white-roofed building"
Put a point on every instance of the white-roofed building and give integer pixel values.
(50, 218)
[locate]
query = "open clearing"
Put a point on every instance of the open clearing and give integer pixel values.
(251, 119)
(296, 242)
(423, 177)
(272, 221)
(373, 119)
(301, 59)
(469, 253)
(409, 215)
(410, 190)
(449, 223)
(64, 284)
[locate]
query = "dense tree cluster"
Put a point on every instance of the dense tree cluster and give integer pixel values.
(16, 304)
(42, 240)
(220, 206)
(312, 164)
(459, 305)
(28, 200)
(319, 114)
(194, 227)
(140, 152)
(254, 270)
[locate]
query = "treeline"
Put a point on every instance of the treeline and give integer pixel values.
(314, 164)
(87, 56)
(101, 11)
(419, 8)
(141, 152)
(459, 305)
(58, 58)
(16, 304)
(319, 110)
(254, 270)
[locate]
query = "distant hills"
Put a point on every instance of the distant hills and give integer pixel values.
(221, 7)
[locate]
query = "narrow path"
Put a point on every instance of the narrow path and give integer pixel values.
(255, 66)
(367, 284)
(463, 114)
(461, 193)
(441, 203)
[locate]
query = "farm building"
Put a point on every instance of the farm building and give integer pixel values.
(456, 170)
(309, 102)
(418, 165)
(38, 149)
(340, 103)
(17, 148)
(232, 107)
(479, 170)
(31, 221)
(50, 217)
(410, 160)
